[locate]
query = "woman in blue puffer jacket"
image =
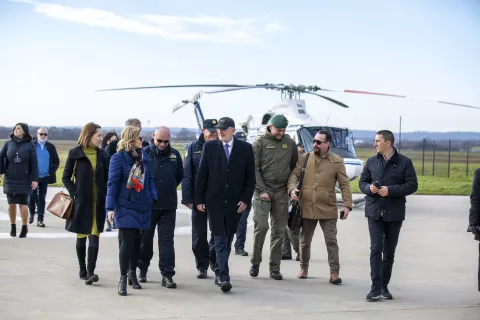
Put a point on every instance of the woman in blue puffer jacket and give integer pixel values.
(130, 195)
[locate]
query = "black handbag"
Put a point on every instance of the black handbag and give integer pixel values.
(295, 212)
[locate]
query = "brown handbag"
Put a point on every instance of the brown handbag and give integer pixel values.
(61, 204)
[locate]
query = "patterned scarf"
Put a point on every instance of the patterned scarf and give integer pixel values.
(137, 173)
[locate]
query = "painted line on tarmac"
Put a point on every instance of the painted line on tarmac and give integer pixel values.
(180, 231)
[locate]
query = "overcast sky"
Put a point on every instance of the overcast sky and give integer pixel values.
(55, 54)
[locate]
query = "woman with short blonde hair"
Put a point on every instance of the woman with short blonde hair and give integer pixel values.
(130, 195)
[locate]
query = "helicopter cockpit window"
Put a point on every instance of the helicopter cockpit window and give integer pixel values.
(265, 119)
(342, 140)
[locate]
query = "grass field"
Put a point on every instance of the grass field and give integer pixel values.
(458, 183)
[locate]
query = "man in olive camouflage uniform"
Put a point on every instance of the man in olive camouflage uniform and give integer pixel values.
(275, 157)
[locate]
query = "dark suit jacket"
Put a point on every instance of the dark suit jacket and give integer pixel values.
(221, 185)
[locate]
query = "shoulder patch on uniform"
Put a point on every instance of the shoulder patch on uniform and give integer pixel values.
(173, 156)
(284, 146)
(186, 153)
(270, 147)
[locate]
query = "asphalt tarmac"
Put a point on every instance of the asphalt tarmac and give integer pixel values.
(434, 275)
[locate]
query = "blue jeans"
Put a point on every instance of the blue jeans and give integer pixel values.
(223, 246)
(165, 221)
(36, 198)
(242, 229)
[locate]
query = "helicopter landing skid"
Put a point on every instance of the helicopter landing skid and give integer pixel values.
(356, 202)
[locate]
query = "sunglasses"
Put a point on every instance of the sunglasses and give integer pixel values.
(164, 141)
(318, 142)
(43, 134)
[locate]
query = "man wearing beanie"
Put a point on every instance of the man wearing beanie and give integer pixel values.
(275, 157)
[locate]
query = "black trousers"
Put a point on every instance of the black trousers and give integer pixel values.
(479, 266)
(203, 250)
(223, 247)
(37, 198)
(129, 241)
(383, 242)
(164, 221)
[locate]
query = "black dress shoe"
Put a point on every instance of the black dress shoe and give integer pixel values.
(241, 252)
(31, 218)
(82, 273)
(254, 270)
(122, 286)
(91, 278)
(142, 276)
(226, 286)
(217, 281)
(40, 224)
(276, 275)
(168, 282)
(202, 274)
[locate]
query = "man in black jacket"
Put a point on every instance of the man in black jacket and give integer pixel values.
(167, 169)
(474, 216)
(203, 250)
(48, 162)
(387, 179)
(225, 184)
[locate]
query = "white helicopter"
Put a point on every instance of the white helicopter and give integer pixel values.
(302, 126)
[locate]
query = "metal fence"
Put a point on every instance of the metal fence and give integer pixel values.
(443, 158)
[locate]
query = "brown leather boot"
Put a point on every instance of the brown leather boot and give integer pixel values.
(335, 279)
(303, 273)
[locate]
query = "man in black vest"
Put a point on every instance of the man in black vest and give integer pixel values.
(167, 170)
(225, 184)
(203, 249)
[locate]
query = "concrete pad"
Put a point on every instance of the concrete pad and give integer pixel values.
(434, 275)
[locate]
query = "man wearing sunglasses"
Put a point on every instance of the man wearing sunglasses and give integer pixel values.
(167, 169)
(48, 162)
(319, 202)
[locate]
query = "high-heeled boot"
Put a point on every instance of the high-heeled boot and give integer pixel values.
(133, 281)
(122, 285)
(81, 253)
(13, 230)
(91, 264)
(23, 233)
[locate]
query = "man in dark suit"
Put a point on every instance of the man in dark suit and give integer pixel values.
(225, 185)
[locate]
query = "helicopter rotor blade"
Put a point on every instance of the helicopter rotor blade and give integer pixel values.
(178, 86)
(243, 88)
(401, 96)
(341, 104)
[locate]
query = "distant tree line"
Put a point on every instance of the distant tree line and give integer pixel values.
(72, 133)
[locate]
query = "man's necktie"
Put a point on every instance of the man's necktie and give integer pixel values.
(227, 154)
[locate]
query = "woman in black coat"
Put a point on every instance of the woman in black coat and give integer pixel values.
(18, 161)
(474, 217)
(85, 176)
